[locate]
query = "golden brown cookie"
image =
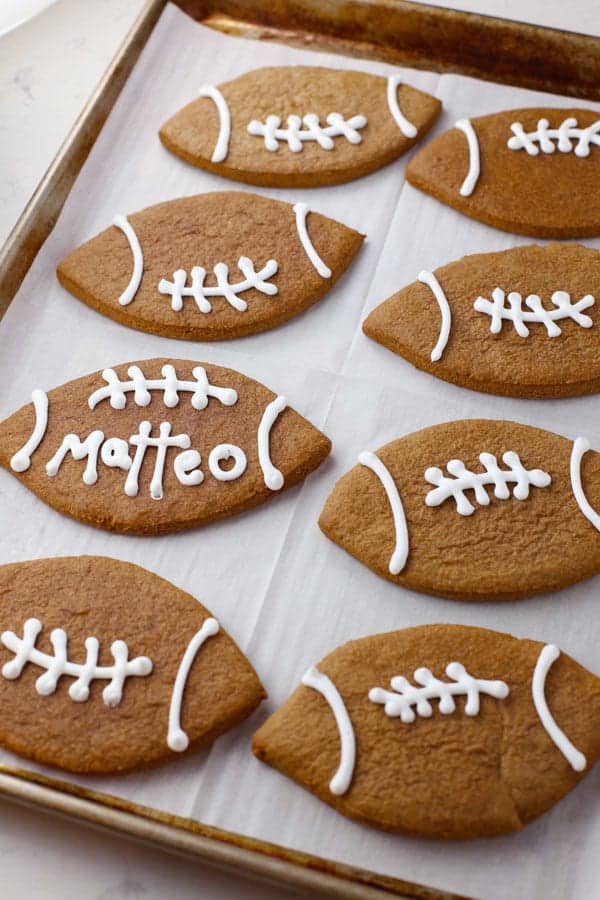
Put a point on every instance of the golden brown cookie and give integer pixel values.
(477, 509)
(523, 322)
(529, 171)
(210, 267)
(159, 445)
(442, 731)
(107, 668)
(300, 126)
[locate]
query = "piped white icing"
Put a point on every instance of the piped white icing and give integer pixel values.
(141, 441)
(580, 447)
(548, 655)
(273, 477)
(222, 145)
(21, 460)
(514, 312)
(407, 128)
(224, 452)
(177, 289)
(565, 135)
(307, 128)
(170, 385)
(177, 739)
(138, 260)
(431, 281)
(400, 554)
(320, 682)
(468, 185)
(58, 665)
(399, 702)
(301, 210)
(79, 450)
(462, 479)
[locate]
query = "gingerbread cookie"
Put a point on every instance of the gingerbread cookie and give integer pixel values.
(210, 267)
(159, 445)
(300, 126)
(522, 322)
(442, 731)
(106, 667)
(529, 171)
(478, 509)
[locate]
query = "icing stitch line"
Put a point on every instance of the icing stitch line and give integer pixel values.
(580, 447)
(201, 389)
(222, 146)
(464, 479)
(514, 312)
(548, 655)
(58, 665)
(294, 134)
(274, 479)
(468, 185)
(407, 128)
(405, 695)
(301, 210)
(319, 682)
(21, 460)
(177, 739)
(177, 290)
(138, 260)
(563, 135)
(431, 281)
(400, 554)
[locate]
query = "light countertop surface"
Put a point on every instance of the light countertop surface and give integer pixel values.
(48, 68)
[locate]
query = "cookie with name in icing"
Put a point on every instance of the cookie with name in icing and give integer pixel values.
(212, 266)
(442, 731)
(479, 509)
(523, 322)
(105, 667)
(529, 171)
(159, 445)
(300, 126)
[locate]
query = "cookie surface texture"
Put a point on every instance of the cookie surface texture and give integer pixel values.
(212, 266)
(159, 445)
(105, 667)
(300, 126)
(478, 509)
(523, 322)
(443, 731)
(528, 171)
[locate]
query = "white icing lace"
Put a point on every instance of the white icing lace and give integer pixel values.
(543, 137)
(514, 312)
(177, 289)
(307, 128)
(201, 389)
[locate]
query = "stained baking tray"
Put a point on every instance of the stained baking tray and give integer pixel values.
(393, 31)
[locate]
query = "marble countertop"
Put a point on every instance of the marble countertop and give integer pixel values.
(48, 68)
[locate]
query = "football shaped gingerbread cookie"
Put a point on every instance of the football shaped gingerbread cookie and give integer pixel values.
(442, 731)
(529, 171)
(106, 667)
(523, 322)
(159, 445)
(210, 267)
(300, 126)
(477, 509)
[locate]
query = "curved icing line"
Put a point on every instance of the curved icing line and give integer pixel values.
(301, 210)
(138, 260)
(21, 460)
(468, 185)
(177, 739)
(547, 657)
(580, 447)
(407, 128)
(222, 145)
(273, 477)
(342, 779)
(431, 281)
(400, 554)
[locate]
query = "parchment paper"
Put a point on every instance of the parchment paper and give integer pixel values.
(283, 591)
